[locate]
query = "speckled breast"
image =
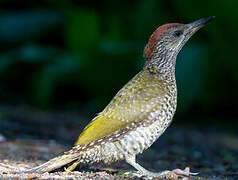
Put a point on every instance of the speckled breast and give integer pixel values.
(144, 135)
(137, 135)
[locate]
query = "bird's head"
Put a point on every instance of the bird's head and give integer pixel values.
(168, 39)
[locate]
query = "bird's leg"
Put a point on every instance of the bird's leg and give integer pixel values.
(72, 166)
(174, 173)
(132, 161)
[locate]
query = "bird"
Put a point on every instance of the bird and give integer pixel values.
(139, 113)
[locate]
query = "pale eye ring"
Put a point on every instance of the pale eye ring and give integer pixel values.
(177, 33)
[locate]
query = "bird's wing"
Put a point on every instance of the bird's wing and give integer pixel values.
(132, 104)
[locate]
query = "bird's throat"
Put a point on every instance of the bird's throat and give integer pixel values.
(162, 66)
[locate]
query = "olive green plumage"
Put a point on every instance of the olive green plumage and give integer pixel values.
(139, 113)
(132, 104)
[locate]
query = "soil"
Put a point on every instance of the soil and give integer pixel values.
(213, 152)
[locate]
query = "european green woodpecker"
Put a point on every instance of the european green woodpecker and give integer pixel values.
(139, 113)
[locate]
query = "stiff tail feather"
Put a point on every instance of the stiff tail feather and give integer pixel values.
(52, 164)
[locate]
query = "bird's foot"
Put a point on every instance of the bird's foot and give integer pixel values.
(183, 173)
(177, 173)
(174, 174)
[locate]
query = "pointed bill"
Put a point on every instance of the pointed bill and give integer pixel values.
(196, 25)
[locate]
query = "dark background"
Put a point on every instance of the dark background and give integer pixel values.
(73, 56)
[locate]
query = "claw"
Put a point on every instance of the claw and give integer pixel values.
(183, 173)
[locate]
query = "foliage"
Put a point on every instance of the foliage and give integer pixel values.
(77, 54)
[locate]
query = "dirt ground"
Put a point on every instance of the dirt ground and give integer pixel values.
(213, 152)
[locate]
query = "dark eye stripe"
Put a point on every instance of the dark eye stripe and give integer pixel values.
(177, 33)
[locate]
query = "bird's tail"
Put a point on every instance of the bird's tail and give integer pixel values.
(53, 164)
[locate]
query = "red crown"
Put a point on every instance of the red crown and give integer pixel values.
(154, 38)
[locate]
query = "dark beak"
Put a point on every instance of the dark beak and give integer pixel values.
(196, 25)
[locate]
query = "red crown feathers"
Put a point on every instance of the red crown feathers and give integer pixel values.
(150, 46)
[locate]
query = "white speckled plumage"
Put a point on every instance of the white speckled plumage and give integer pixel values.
(140, 112)
(138, 136)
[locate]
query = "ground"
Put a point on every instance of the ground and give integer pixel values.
(213, 152)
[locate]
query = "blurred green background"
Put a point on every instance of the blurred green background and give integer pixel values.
(74, 55)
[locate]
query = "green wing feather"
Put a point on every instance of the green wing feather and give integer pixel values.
(132, 104)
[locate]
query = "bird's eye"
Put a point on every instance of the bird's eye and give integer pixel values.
(177, 33)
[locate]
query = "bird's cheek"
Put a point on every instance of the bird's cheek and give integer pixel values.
(171, 46)
(177, 44)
